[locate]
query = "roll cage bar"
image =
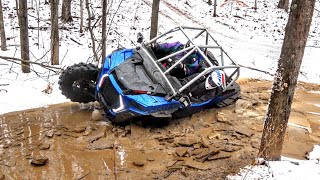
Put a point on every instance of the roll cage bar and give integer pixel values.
(193, 46)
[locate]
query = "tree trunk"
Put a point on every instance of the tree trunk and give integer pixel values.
(66, 11)
(81, 16)
(283, 4)
(279, 108)
(154, 18)
(255, 5)
(104, 29)
(2, 31)
(54, 6)
(24, 38)
(215, 8)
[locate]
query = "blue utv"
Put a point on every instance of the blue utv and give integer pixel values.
(134, 83)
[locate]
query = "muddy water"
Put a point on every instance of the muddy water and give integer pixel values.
(71, 154)
(208, 145)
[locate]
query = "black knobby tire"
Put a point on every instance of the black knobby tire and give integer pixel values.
(233, 94)
(83, 74)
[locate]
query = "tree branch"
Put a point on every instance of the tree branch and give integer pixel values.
(12, 59)
(255, 69)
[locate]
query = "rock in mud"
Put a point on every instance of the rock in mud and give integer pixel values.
(138, 163)
(221, 118)
(242, 104)
(251, 114)
(58, 133)
(44, 146)
(181, 151)
(196, 152)
(101, 132)
(205, 143)
(2, 176)
(69, 134)
(186, 141)
(101, 144)
(7, 145)
(79, 129)
(231, 148)
(150, 159)
(213, 136)
(196, 165)
(207, 152)
(171, 163)
(39, 160)
(47, 125)
(96, 115)
(221, 155)
(50, 133)
(244, 131)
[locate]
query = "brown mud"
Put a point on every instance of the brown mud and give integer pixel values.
(62, 142)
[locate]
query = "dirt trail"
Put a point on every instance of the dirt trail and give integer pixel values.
(62, 142)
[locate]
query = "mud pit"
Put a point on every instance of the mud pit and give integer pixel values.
(208, 145)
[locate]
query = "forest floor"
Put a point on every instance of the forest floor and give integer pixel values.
(62, 142)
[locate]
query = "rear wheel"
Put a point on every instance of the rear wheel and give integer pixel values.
(78, 82)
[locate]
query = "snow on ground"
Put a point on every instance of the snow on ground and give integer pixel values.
(251, 37)
(287, 168)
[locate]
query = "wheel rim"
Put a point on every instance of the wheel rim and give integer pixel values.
(83, 86)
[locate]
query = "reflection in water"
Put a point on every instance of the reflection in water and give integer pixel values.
(121, 154)
(76, 168)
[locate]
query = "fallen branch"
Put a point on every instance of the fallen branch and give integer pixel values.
(84, 175)
(22, 60)
(75, 41)
(255, 69)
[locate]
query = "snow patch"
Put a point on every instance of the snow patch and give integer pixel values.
(315, 153)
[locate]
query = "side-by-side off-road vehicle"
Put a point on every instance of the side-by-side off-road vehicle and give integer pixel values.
(134, 82)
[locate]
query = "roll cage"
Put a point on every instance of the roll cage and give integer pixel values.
(192, 45)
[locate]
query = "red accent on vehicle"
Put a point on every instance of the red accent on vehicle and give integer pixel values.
(140, 92)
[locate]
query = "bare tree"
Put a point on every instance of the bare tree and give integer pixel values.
(54, 6)
(154, 18)
(214, 8)
(286, 78)
(2, 31)
(284, 4)
(255, 5)
(81, 16)
(24, 38)
(104, 28)
(66, 11)
(91, 32)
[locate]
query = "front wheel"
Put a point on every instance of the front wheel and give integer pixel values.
(78, 82)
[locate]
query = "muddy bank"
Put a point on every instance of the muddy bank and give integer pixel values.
(62, 142)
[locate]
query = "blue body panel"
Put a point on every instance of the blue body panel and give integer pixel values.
(137, 105)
